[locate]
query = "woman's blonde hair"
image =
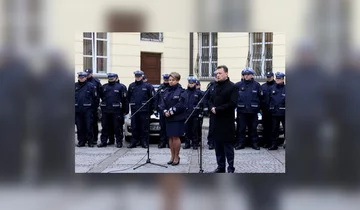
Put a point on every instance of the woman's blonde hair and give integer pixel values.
(175, 75)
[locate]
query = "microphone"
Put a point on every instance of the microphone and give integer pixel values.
(210, 84)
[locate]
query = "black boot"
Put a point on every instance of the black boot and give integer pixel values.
(240, 146)
(161, 145)
(219, 170)
(273, 147)
(132, 145)
(186, 146)
(255, 146)
(102, 145)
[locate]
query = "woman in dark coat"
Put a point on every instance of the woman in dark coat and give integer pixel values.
(173, 105)
(223, 103)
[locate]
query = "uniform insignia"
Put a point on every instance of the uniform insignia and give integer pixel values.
(116, 91)
(283, 94)
(254, 91)
(144, 89)
(176, 97)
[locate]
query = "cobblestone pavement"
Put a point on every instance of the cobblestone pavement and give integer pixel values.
(114, 160)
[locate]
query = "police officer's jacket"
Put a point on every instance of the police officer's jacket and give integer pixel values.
(194, 96)
(114, 98)
(210, 90)
(162, 89)
(277, 100)
(85, 96)
(266, 89)
(138, 93)
(249, 96)
(96, 82)
(175, 101)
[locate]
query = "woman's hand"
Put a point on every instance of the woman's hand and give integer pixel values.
(167, 114)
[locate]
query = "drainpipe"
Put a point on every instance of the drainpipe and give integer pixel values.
(191, 59)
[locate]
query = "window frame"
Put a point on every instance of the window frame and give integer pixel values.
(263, 44)
(161, 37)
(94, 55)
(210, 62)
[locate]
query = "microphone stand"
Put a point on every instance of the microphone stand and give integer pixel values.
(148, 137)
(197, 107)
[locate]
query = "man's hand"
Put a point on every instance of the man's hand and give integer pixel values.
(167, 114)
(213, 110)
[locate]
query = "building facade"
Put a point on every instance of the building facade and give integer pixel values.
(195, 54)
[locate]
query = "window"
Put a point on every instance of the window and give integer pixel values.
(261, 50)
(154, 37)
(208, 52)
(96, 52)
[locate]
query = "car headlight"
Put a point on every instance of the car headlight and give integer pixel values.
(155, 127)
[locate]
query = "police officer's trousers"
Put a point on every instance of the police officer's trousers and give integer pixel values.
(276, 127)
(112, 122)
(210, 136)
(191, 136)
(266, 122)
(83, 121)
(163, 137)
(224, 151)
(251, 121)
(95, 127)
(201, 120)
(140, 128)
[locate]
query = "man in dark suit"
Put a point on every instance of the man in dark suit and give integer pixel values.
(223, 103)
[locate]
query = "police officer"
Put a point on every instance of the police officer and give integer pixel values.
(85, 97)
(162, 88)
(250, 96)
(211, 89)
(138, 94)
(191, 128)
(113, 106)
(97, 84)
(201, 115)
(242, 75)
(266, 115)
(145, 78)
(277, 108)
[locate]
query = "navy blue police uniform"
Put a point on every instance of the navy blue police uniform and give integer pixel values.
(111, 131)
(175, 102)
(248, 107)
(85, 97)
(164, 139)
(266, 115)
(192, 125)
(210, 137)
(114, 106)
(96, 82)
(277, 109)
(201, 115)
(139, 93)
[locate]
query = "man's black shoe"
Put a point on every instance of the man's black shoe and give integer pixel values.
(240, 146)
(266, 145)
(111, 143)
(80, 145)
(186, 146)
(231, 171)
(273, 147)
(161, 145)
(219, 170)
(144, 146)
(195, 147)
(90, 145)
(132, 145)
(211, 147)
(102, 145)
(255, 146)
(118, 145)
